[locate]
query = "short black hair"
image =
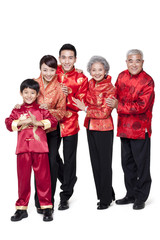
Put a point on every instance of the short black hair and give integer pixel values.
(49, 60)
(29, 83)
(68, 46)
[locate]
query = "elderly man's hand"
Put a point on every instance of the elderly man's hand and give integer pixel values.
(112, 102)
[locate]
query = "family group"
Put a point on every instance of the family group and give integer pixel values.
(49, 115)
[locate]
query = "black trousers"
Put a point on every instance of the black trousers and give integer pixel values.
(68, 166)
(100, 148)
(135, 155)
(56, 165)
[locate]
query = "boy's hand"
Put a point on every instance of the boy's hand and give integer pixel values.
(33, 118)
(25, 122)
(34, 121)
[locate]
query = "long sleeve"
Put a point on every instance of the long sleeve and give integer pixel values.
(60, 108)
(12, 120)
(48, 120)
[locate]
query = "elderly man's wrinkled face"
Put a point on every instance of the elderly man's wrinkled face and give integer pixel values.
(134, 63)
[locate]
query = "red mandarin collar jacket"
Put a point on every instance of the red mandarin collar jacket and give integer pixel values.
(135, 94)
(31, 139)
(98, 113)
(77, 84)
(53, 96)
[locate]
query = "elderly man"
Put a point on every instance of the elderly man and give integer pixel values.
(134, 103)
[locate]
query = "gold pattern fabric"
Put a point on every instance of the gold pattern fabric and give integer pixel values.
(53, 96)
(98, 113)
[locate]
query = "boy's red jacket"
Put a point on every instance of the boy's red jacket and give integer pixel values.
(30, 138)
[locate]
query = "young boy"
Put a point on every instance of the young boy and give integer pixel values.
(32, 150)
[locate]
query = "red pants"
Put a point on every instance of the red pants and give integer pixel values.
(40, 164)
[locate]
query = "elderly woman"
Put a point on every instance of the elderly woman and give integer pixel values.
(99, 126)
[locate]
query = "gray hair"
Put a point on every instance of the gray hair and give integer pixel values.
(135, 52)
(99, 59)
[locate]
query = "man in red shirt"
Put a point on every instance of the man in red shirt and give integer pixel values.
(75, 85)
(134, 103)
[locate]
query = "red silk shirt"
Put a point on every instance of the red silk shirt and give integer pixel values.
(53, 96)
(77, 84)
(135, 94)
(31, 139)
(98, 113)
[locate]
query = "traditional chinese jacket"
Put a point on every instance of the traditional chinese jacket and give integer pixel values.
(53, 96)
(135, 94)
(98, 113)
(31, 138)
(77, 84)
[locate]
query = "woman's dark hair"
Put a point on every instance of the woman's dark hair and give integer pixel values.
(29, 83)
(68, 46)
(49, 60)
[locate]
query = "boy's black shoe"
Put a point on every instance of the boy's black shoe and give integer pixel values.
(40, 210)
(47, 214)
(19, 215)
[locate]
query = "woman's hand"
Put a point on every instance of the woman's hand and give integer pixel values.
(79, 104)
(43, 106)
(17, 106)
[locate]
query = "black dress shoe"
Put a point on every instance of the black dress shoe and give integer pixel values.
(102, 206)
(138, 205)
(40, 210)
(125, 200)
(63, 205)
(19, 215)
(47, 214)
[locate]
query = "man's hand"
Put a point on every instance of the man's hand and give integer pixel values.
(64, 89)
(79, 104)
(112, 102)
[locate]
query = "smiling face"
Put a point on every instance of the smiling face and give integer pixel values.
(29, 95)
(134, 63)
(97, 71)
(67, 60)
(48, 73)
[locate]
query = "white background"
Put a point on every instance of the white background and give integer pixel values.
(33, 28)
